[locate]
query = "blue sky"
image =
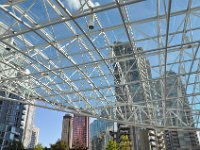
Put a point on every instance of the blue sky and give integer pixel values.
(50, 124)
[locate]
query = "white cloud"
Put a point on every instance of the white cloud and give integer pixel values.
(75, 4)
(92, 4)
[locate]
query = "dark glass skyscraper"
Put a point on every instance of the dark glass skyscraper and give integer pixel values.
(100, 133)
(175, 139)
(128, 70)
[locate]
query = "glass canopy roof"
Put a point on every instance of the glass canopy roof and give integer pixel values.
(131, 61)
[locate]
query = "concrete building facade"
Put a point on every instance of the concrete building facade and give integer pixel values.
(67, 127)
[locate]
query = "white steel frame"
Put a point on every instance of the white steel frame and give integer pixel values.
(83, 81)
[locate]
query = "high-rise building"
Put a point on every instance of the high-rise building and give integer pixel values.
(133, 68)
(100, 133)
(75, 131)
(34, 138)
(67, 126)
(16, 119)
(28, 125)
(80, 133)
(127, 69)
(176, 139)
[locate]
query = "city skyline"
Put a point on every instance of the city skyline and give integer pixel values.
(62, 55)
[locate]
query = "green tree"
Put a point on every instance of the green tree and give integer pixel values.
(59, 145)
(78, 146)
(125, 143)
(15, 145)
(112, 145)
(38, 147)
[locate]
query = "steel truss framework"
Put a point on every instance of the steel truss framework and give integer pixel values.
(49, 54)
